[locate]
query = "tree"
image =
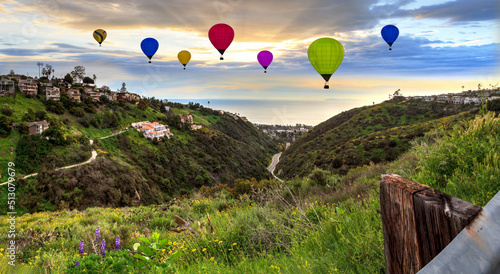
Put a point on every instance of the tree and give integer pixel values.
(78, 73)
(123, 89)
(39, 64)
(94, 77)
(88, 80)
(5, 127)
(47, 70)
(143, 105)
(12, 72)
(68, 78)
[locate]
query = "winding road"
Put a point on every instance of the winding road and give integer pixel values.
(275, 161)
(92, 158)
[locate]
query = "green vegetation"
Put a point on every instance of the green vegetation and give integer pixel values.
(378, 133)
(316, 224)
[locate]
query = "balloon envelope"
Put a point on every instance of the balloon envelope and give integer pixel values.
(184, 56)
(325, 55)
(221, 36)
(149, 46)
(390, 33)
(100, 35)
(265, 58)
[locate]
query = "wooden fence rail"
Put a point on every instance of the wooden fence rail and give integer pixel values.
(418, 222)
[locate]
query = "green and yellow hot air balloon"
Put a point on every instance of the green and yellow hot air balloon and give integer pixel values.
(99, 35)
(325, 55)
(184, 56)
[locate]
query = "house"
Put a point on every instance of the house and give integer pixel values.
(457, 100)
(37, 127)
(52, 93)
(28, 87)
(472, 100)
(244, 119)
(494, 98)
(187, 119)
(111, 95)
(429, 98)
(418, 97)
(75, 94)
(196, 127)
(88, 90)
(7, 86)
(167, 108)
(443, 98)
(124, 96)
(64, 85)
(152, 130)
(221, 112)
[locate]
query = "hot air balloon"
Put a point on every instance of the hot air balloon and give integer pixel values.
(390, 34)
(100, 35)
(149, 46)
(325, 55)
(265, 58)
(221, 36)
(184, 56)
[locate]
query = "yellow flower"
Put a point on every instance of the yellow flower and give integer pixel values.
(204, 249)
(235, 244)
(193, 250)
(212, 258)
(220, 242)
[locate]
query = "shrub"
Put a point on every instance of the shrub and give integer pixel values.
(319, 176)
(6, 110)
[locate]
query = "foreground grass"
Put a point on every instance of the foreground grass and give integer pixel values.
(323, 223)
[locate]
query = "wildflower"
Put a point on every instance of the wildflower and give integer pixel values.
(77, 263)
(117, 242)
(220, 242)
(235, 244)
(80, 250)
(103, 248)
(193, 250)
(204, 249)
(98, 234)
(212, 259)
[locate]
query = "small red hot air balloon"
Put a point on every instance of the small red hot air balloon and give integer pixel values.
(221, 36)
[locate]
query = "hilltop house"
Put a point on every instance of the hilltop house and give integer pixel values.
(187, 119)
(152, 130)
(75, 94)
(37, 127)
(64, 85)
(472, 100)
(443, 98)
(52, 93)
(28, 87)
(7, 86)
(457, 100)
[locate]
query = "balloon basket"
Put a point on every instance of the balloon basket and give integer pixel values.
(326, 87)
(265, 71)
(221, 58)
(150, 62)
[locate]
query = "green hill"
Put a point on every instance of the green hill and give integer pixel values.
(130, 169)
(378, 133)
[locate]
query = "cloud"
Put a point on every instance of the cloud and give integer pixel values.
(458, 11)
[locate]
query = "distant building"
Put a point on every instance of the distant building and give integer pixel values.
(244, 119)
(429, 98)
(220, 111)
(152, 130)
(63, 85)
(7, 86)
(28, 87)
(167, 108)
(472, 100)
(37, 127)
(88, 90)
(75, 94)
(457, 100)
(52, 93)
(196, 127)
(187, 119)
(443, 98)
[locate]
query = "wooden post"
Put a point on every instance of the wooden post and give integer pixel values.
(418, 222)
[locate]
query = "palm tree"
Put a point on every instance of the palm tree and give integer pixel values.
(39, 64)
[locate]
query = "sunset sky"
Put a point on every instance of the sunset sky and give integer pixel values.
(442, 46)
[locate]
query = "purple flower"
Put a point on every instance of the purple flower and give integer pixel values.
(77, 263)
(97, 234)
(81, 249)
(117, 243)
(103, 248)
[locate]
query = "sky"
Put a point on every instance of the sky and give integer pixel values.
(442, 46)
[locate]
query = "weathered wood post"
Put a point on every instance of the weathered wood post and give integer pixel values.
(418, 222)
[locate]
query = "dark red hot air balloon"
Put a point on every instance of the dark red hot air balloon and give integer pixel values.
(221, 36)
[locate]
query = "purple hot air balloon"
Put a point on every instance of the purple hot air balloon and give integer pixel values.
(265, 58)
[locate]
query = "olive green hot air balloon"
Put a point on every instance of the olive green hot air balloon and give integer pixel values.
(325, 55)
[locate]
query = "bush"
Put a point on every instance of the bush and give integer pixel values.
(319, 176)
(7, 111)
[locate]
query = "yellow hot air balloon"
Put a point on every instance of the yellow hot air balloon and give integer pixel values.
(184, 56)
(100, 35)
(325, 55)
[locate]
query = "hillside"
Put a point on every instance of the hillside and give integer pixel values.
(130, 169)
(316, 224)
(378, 133)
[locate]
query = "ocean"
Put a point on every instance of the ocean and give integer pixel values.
(282, 112)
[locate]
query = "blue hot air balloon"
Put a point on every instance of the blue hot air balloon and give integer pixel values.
(390, 34)
(149, 46)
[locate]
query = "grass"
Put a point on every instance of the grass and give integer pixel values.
(7, 153)
(198, 117)
(19, 104)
